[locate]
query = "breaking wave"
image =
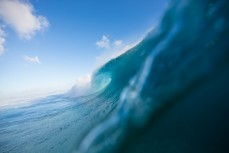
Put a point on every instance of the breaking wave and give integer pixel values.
(187, 48)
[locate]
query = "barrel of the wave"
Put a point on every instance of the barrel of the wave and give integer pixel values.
(178, 98)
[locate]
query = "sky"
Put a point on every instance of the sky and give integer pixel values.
(58, 43)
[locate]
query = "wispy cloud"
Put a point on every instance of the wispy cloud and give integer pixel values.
(2, 40)
(104, 42)
(118, 42)
(20, 16)
(33, 60)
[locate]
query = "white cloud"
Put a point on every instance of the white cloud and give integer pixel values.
(104, 42)
(2, 41)
(19, 15)
(118, 42)
(33, 60)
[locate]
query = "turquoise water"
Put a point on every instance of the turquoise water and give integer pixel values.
(52, 124)
(169, 93)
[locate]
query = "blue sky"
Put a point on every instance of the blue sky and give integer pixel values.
(52, 44)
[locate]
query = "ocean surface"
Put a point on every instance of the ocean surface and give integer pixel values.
(169, 93)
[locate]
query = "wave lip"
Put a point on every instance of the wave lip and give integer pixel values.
(88, 85)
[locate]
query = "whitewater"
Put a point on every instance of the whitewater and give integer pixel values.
(169, 93)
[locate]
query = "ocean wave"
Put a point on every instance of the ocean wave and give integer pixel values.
(186, 50)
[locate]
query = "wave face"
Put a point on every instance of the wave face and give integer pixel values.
(187, 51)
